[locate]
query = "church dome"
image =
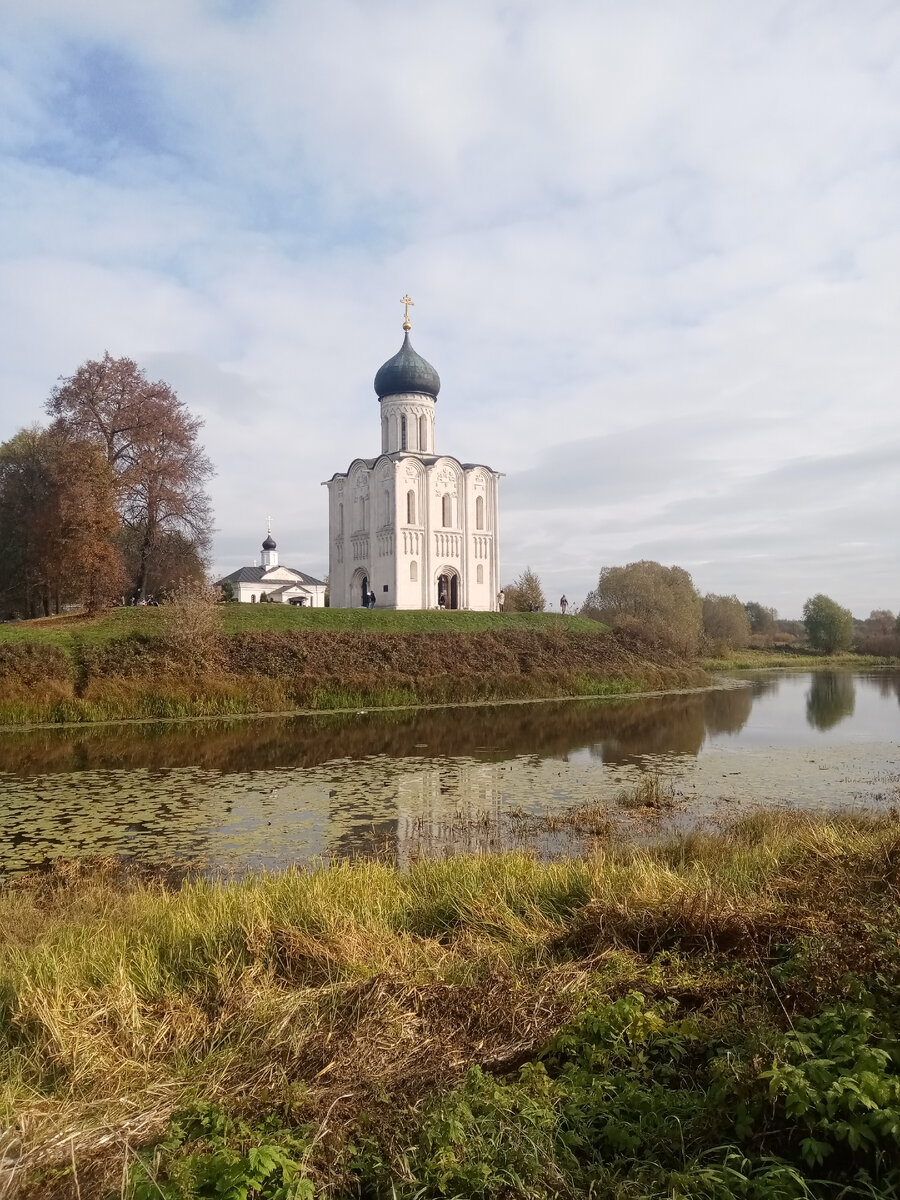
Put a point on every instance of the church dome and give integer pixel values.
(269, 543)
(407, 372)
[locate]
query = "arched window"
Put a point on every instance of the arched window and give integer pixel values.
(410, 507)
(384, 431)
(340, 520)
(479, 573)
(479, 512)
(414, 572)
(446, 511)
(387, 507)
(403, 432)
(423, 432)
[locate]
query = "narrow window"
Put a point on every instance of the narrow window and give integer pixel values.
(413, 572)
(403, 432)
(479, 512)
(387, 507)
(340, 520)
(446, 510)
(423, 433)
(410, 507)
(479, 574)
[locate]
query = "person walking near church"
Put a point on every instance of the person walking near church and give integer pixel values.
(563, 604)
(500, 599)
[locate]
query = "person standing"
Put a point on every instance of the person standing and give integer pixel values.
(563, 604)
(500, 599)
(371, 599)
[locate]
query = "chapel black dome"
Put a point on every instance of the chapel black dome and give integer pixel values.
(407, 372)
(269, 543)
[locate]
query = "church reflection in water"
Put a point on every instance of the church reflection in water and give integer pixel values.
(266, 793)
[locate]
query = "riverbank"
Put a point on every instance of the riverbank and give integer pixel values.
(786, 658)
(144, 663)
(715, 1016)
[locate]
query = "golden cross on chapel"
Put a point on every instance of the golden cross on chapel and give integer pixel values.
(407, 303)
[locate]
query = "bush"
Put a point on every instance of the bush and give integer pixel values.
(726, 624)
(662, 601)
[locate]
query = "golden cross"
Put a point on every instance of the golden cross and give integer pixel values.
(406, 302)
(269, 525)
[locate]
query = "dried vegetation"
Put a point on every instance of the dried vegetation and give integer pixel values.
(488, 1026)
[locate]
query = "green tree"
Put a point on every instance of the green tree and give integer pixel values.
(828, 626)
(526, 594)
(661, 601)
(726, 625)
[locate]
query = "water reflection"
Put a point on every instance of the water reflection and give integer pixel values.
(831, 699)
(264, 793)
(618, 729)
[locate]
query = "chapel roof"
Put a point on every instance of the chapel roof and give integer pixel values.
(255, 574)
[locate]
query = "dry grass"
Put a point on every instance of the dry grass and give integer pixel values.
(332, 989)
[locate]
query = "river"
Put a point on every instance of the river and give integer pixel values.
(231, 796)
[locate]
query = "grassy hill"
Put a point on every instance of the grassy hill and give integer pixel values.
(148, 663)
(68, 628)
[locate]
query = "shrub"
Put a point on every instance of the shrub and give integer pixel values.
(661, 600)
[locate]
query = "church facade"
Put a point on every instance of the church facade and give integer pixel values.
(412, 527)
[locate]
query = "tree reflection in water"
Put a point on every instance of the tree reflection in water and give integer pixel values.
(625, 728)
(677, 725)
(831, 699)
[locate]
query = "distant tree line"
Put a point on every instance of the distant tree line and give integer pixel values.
(662, 603)
(108, 501)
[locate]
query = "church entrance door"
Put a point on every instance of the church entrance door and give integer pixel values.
(448, 587)
(365, 591)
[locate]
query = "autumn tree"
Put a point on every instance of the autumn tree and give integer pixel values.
(828, 626)
(880, 621)
(525, 595)
(57, 519)
(661, 601)
(726, 625)
(150, 440)
(762, 620)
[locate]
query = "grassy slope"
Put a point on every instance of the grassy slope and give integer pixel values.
(64, 630)
(142, 663)
(486, 1026)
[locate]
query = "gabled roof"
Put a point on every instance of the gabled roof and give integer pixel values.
(257, 574)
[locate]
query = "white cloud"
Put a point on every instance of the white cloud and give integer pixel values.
(658, 244)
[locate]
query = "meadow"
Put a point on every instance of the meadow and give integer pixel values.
(714, 1016)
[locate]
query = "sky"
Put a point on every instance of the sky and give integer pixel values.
(654, 250)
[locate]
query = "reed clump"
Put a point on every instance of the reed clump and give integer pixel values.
(491, 1026)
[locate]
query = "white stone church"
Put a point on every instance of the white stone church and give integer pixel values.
(278, 584)
(415, 528)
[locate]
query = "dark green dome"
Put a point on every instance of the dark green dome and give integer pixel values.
(407, 372)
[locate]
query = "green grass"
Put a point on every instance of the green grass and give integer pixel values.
(716, 1016)
(66, 630)
(791, 660)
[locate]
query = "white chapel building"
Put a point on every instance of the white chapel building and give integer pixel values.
(279, 585)
(411, 526)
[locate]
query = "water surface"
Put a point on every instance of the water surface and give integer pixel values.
(237, 795)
